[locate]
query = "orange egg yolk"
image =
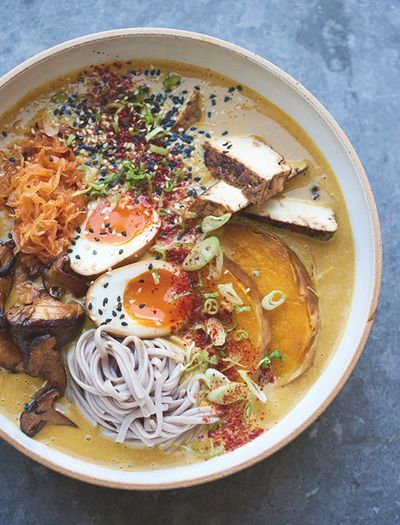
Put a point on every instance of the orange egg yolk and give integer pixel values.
(118, 224)
(166, 304)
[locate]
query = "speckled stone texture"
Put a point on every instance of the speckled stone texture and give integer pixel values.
(345, 468)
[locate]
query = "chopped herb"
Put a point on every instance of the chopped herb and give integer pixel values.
(239, 309)
(158, 149)
(266, 361)
(70, 139)
(171, 80)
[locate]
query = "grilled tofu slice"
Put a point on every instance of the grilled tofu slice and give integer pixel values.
(189, 114)
(218, 199)
(299, 215)
(222, 197)
(249, 164)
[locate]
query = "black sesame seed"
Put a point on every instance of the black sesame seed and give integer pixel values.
(100, 311)
(213, 102)
(224, 133)
(114, 314)
(4, 133)
(231, 89)
(142, 305)
(90, 306)
(239, 87)
(124, 323)
(209, 114)
(108, 320)
(91, 230)
(105, 285)
(78, 229)
(77, 256)
(124, 234)
(94, 252)
(70, 250)
(150, 266)
(121, 251)
(119, 299)
(122, 316)
(105, 301)
(226, 99)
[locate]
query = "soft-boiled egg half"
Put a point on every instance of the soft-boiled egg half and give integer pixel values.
(113, 234)
(147, 299)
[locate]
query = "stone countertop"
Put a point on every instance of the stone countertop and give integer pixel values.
(344, 469)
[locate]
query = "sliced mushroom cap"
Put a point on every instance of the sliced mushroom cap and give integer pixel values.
(10, 354)
(40, 412)
(7, 258)
(59, 278)
(45, 316)
(7, 267)
(33, 266)
(42, 360)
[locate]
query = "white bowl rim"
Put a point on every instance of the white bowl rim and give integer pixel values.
(223, 472)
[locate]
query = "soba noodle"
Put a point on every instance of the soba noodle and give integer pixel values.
(133, 390)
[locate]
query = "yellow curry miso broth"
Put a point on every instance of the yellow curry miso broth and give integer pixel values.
(227, 110)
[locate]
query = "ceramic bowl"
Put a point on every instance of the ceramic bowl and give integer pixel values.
(271, 82)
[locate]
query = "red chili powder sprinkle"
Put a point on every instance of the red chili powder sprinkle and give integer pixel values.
(236, 430)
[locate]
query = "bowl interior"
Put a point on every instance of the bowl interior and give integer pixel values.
(286, 93)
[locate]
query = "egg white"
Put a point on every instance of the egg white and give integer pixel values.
(104, 300)
(92, 258)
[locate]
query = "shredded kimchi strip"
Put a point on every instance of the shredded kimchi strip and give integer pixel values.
(41, 192)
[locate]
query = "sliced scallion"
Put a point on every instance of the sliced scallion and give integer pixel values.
(70, 139)
(240, 335)
(211, 306)
(229, 294)
(158, 149)
(254, 389)
(212, 223)
(171, 80)
(273, 300)
(154, 132)
(240, 309)
(202, 253)
(156, 277)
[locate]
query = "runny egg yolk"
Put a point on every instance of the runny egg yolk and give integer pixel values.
(118, 224)
(160, 299)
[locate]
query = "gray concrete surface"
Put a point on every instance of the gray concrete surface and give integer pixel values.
(345, 468)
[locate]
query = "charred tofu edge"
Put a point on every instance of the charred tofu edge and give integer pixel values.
(307, 217)
(248, 164)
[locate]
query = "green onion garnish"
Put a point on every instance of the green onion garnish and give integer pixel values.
(240, 335)
(211, 223)
(239, 309)
(158, 149)
(156, 277)
(266, 361)
(154, 132)
(70, 139)
(211, 306)
(273, 300)
(201, 254)
(171, 80)
(229, 294)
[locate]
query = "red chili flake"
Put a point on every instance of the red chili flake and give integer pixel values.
(235, 430)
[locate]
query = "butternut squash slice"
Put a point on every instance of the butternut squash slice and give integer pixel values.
(274, 266)
(254, 321)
